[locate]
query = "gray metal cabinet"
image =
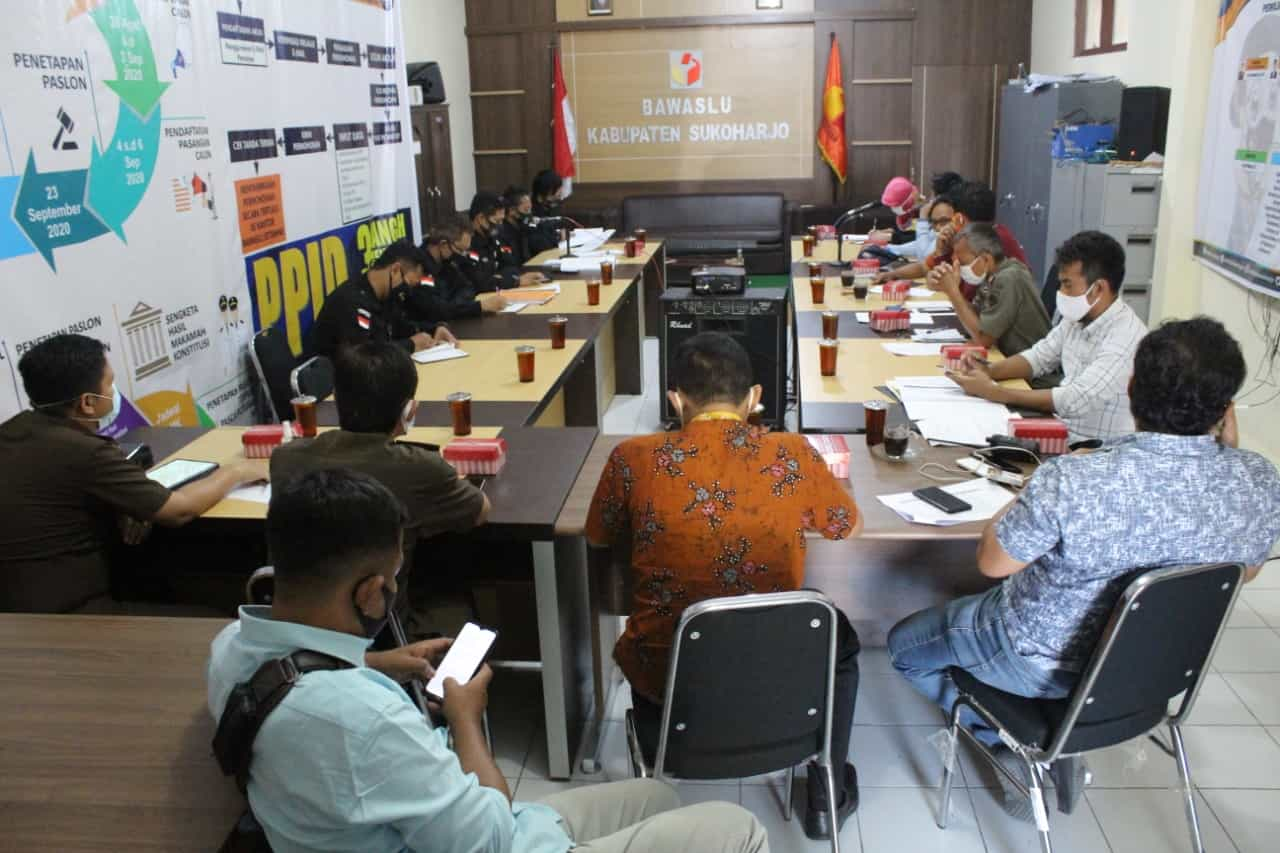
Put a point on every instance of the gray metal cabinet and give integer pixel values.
(1027, 180)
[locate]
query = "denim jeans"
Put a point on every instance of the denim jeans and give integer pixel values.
(969, 633)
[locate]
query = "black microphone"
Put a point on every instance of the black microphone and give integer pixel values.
(848, 214)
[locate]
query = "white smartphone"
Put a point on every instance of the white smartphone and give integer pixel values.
(463, 659)
(179, 472)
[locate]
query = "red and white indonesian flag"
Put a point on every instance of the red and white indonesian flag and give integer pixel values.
(564, 134)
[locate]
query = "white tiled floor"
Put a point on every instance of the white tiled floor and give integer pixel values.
(1133, 805)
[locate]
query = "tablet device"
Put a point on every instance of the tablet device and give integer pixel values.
(176, 473)
(463, 659)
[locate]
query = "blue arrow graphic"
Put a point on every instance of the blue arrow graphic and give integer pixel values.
(50, 209)
(12, 241)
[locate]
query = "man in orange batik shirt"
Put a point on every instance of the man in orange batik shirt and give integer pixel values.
(721, 508)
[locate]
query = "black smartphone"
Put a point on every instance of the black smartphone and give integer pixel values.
(945, 501)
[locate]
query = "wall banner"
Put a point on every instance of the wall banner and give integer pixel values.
(1238, 223)
(174, 175)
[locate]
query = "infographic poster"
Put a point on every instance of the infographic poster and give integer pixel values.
(1238, 227)
(177, 174)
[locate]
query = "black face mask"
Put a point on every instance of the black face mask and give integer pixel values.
(372, 626)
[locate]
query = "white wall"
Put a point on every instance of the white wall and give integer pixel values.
(435, 30)
(1171, 44)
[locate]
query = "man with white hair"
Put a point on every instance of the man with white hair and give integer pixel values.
(1006, 311)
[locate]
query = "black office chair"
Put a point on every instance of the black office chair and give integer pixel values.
(750, 690)
(1049, 292)
(274, 363)
(313, 378)
(1157, 644)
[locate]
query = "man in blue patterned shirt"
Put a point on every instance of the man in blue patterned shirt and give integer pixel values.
(1177, 492)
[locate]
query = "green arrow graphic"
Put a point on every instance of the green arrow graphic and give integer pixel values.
(120, 171)
(136, 82)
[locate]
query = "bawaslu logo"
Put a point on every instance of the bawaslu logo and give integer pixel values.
(686, 69)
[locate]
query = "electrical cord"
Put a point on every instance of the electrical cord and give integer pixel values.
(948, 475)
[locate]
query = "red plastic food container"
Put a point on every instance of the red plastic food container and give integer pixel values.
(825, 232)
(1050, 432)
(484, 456)
(953, 353)
(895, 291)
(890, 321)
(834, 452)
(260, 441)
(865, 265)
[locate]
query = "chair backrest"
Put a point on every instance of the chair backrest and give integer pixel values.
(1049, 292)
(1157, 644)
(274, 363)
(750, 686)
(314, 377)
(744, 216)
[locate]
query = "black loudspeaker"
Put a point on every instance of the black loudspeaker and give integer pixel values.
(1144, 121)
(757, 319)
(427, 75)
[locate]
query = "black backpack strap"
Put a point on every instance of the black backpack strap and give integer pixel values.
(252, 701)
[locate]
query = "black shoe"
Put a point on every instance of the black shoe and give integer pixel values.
(817, 817)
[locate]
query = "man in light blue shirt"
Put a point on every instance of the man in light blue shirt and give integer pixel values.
(1178, 492)
(346, 762)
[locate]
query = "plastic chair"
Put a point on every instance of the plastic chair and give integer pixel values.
(750, 690)
(1156, 645)
(274, 363)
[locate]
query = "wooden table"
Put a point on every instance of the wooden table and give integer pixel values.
(527, 498)
(105, 736)
(651, 264)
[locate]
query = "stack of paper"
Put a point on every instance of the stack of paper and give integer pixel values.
(986, 498)
(944, 414)
(933, 305)
(259, 493)
(919, 318)
(439, 352)
(515, 307)
(540, 295)
(589, 239)
(580, 262)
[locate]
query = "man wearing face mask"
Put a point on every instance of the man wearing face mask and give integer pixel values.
(1006, 312)
(936, 213)
(445, 292)
(374, 384)
(345, 761)
(369, 307)
(516, 230)
(721, 508)
(493, 269)
(70, 497)
(1093, 346)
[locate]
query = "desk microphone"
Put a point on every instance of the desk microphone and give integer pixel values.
(841, 263)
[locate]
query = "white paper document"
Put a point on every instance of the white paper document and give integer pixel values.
(259, 493)
(580, 263)
(441, 352)
(916, 292)
(919, 318)
(986, 498)
(589, 239)
(862, 316)
(933, 305)
(914, 349)
(940, 336)
(514, 307)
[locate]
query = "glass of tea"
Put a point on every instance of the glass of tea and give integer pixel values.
(806, 243)
(896, 439)
(818, 290)
(304, 414)
(524, 362)
(460, 410)
(559, 326)
(877, 412)
(828, 348)
(593, 292)
(606, 271)
(830, 325)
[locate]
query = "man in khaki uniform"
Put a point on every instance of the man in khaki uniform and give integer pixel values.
(70, 496)
(374, 388)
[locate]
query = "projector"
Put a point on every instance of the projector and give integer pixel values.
(719, 280)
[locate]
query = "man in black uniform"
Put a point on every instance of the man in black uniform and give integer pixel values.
(369, 307)
(518, 226)
(493, 269)
(445, 292)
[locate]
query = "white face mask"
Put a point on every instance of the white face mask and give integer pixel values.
(898, 210)
(408, 416)
(109, 418)
(1074, 308)
(969, 276)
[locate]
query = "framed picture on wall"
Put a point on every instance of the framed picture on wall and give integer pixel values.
(599, 7)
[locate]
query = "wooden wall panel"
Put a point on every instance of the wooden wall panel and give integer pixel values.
(576, 10)
(950, 47)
